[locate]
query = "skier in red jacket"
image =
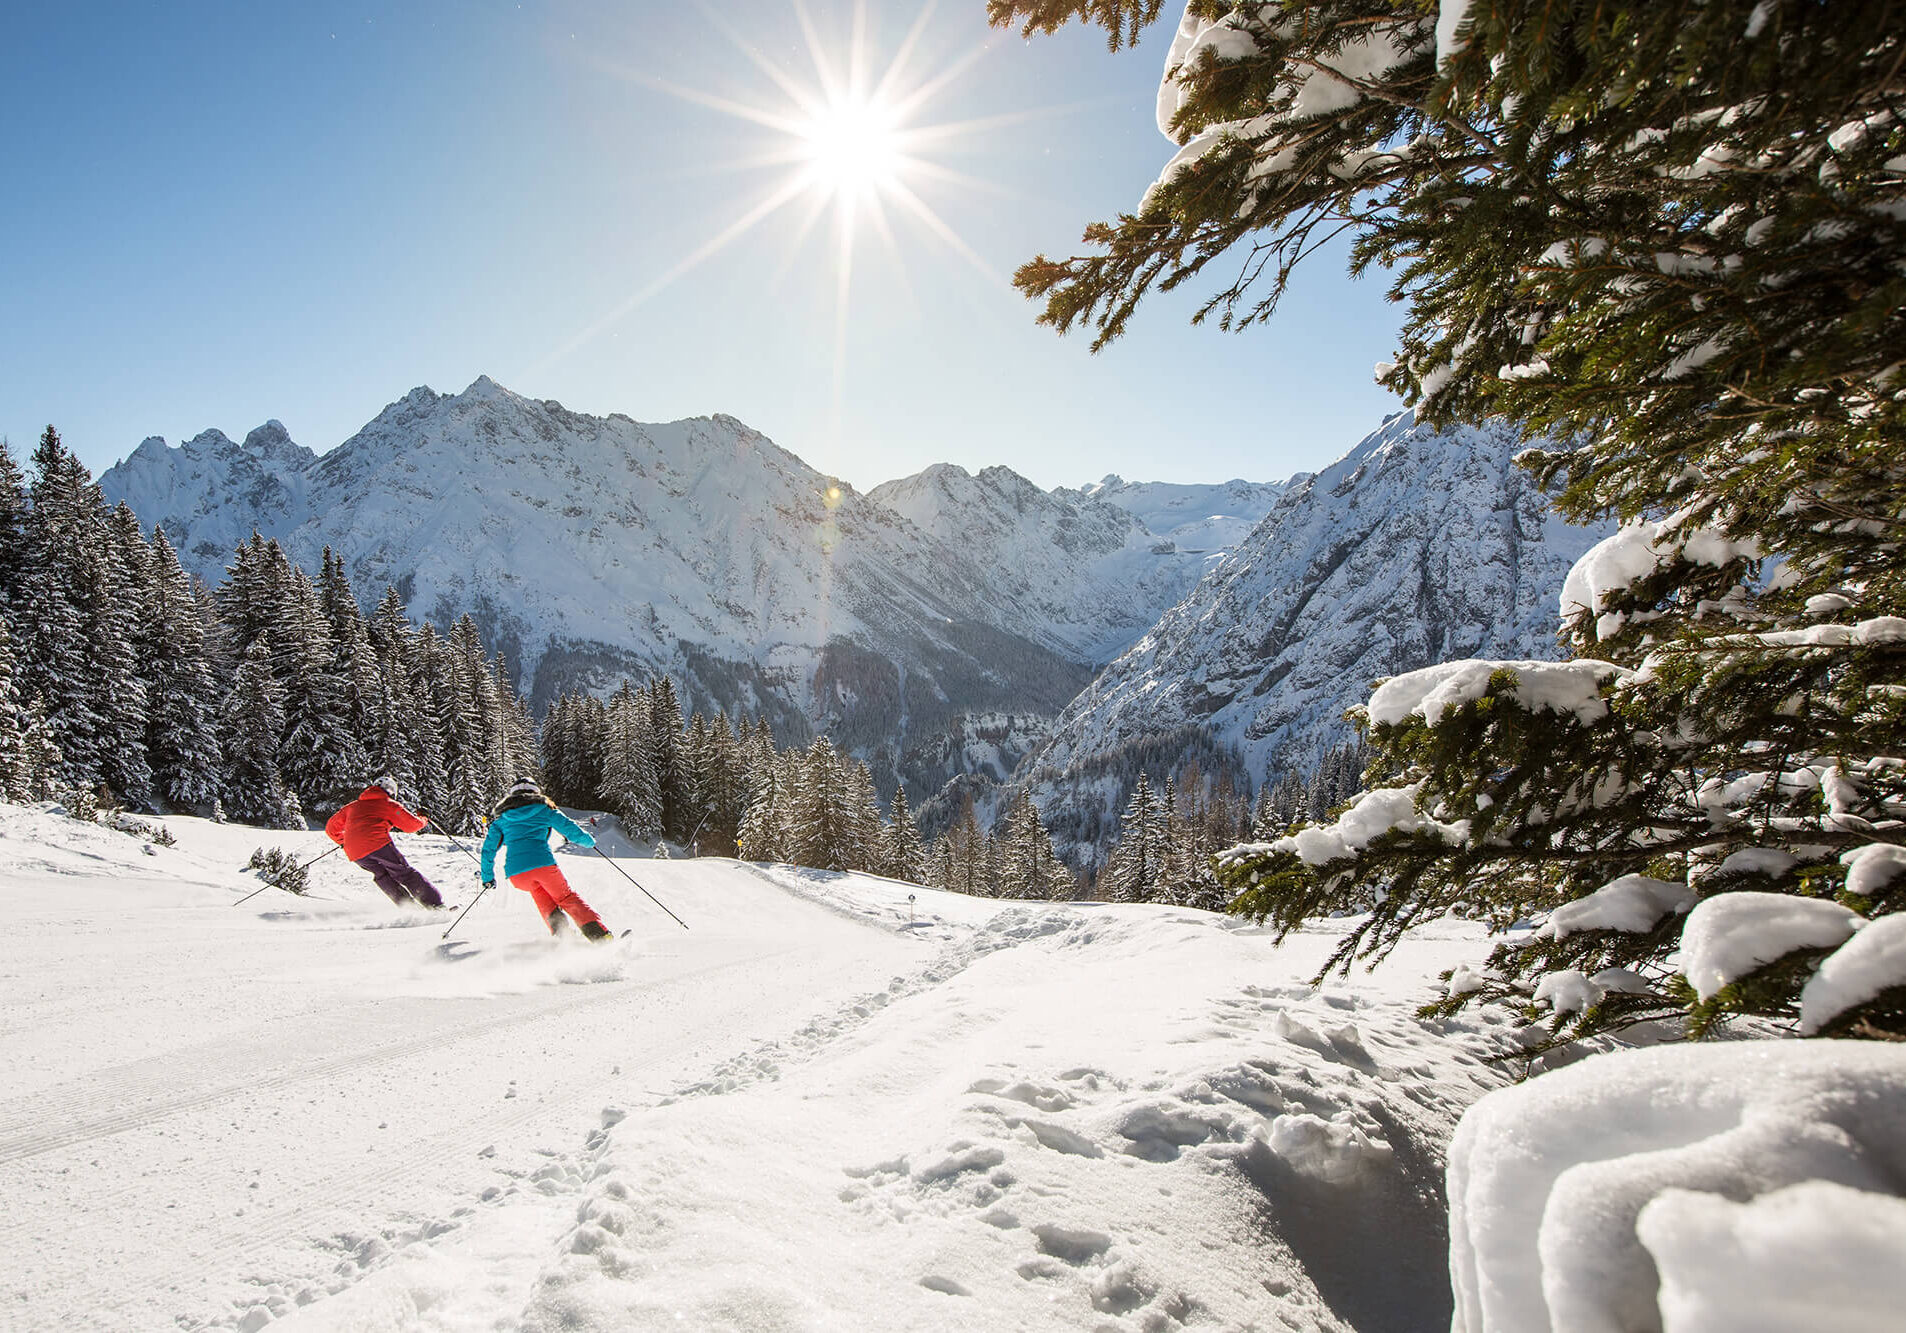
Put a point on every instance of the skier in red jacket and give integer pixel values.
(363, 829)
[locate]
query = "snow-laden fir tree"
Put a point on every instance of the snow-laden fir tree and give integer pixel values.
(902, 855)
(671, 759)
(631, 783)
(181, 689)
(251, 722)
(762, 836)
(1676, 234)
(721, 776)
(369, 720)
(462, 806)
(822, 822)
(118, 587)
(1137, 862)
(1028, 866)
(61, 557)
(321, 755)
(411, 755)
(16, 757)
(13, 528)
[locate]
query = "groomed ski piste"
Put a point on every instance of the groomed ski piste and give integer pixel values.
(822, 1106)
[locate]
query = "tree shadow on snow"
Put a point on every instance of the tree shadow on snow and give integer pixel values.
(1377, 1246)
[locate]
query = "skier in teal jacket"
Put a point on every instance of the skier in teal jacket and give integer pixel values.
(521, 826)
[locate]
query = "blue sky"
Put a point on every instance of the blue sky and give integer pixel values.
(222, 213)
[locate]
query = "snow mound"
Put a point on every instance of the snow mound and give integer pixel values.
(1814, 1255)
(1872, 962)
(1569, 1194)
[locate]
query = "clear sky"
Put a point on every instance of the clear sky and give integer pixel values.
(221, 213)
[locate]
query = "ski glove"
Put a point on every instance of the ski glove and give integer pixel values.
(488, 884)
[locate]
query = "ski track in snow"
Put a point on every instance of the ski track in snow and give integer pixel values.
(822, 1106)
(160, 1188)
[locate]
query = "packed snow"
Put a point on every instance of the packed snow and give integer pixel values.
(832, 1101)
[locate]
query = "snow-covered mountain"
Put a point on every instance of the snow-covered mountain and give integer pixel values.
(1094, 571)
(588, 547)
(1417, 546)
(1202, 520)
(211, 492)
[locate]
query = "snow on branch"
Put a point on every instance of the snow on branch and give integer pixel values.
(1573, 688)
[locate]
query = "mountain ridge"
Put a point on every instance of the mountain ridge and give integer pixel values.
(591, 547)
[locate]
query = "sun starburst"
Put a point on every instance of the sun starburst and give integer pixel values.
(850, 145)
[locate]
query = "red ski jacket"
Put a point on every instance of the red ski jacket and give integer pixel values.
(364, 825)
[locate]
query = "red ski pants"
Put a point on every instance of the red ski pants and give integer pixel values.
(550, 892)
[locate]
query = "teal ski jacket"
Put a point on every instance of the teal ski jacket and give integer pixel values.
(523, 831)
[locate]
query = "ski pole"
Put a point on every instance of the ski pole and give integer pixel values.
(454, 843)
(466, 911)
(645, 893)
(274, 884)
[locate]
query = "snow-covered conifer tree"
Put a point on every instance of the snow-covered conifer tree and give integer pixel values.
(182, 692)
(725, 785)
(631, 785)
(671, 758)
(395, 721)
(901, 853)
(250, 725)
(13, 528)
(1137, 862)
(16, 759)
(462, 806)
(1027, 858)
(321, 755)
(61, 575)
(1670, 234)
(759, 838)
(860, 816)
(118, 590)
(820, 823)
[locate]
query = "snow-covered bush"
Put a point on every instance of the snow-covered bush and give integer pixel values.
(280, 869)
(1741, 1187)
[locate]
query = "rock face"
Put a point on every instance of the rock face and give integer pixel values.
(1417, 546)
(588, 547)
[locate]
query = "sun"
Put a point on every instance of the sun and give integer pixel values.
(853, 146)
(850, 149)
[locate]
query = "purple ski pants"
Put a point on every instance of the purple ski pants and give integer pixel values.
(401, 881)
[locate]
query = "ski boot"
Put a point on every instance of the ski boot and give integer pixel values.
(595, 930)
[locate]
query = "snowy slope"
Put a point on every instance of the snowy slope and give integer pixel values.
(1416, 547)
(822, 1106)
(588, 547)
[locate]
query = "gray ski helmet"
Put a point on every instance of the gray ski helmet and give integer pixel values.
(386, 782)
(525, 787)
